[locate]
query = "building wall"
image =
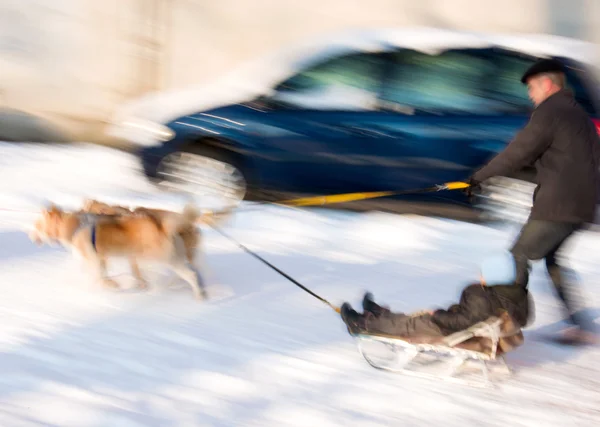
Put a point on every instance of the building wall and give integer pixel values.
(75, 61)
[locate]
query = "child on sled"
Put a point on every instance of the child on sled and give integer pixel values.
(494, 294)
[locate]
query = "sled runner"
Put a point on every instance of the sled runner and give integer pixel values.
(483, 344)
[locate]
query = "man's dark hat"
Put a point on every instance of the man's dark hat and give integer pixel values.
(543, 66)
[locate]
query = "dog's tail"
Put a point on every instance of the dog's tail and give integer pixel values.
(216, 217)
(173, 224)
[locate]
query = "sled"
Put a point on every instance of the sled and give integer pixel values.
(483, 345)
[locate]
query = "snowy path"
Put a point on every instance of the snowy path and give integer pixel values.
(261, 352)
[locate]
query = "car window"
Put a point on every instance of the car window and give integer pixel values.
(468, 82)
(450, 82)
(346, 82)
(505, 84)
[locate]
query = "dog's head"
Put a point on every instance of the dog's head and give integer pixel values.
(46, 227)
(100, 208)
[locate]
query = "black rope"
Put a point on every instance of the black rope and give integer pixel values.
(258, 257)
(291, 279)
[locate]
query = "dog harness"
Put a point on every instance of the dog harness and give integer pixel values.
(89, 220)
(93, 231)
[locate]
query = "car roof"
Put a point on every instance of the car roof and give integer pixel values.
(253, 77)
(435, 40)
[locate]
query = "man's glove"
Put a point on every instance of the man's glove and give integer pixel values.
(474, 187)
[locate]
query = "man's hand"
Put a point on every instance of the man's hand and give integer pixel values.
(474, 186)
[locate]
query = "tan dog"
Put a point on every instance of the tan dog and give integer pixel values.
(188, 231)
(97, 238)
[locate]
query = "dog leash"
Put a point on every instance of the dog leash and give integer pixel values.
(264, 261)
(326, 200)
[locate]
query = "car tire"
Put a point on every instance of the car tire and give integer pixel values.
(204, 171)
(505, 199)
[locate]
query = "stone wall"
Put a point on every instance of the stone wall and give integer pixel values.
(75, 61)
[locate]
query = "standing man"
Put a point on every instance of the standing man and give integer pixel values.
(562, 142)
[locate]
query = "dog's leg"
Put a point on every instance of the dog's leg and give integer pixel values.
(190, 275)
(135, 269)
(107, 281)
(200, 281)
(177, 261)
(99, 264)
(198, 262)
(190, 246)
(186, 271)
(173, 279)
(200, 265)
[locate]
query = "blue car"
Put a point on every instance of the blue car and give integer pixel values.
(359, 117)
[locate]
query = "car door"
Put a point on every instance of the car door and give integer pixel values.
(311, 138)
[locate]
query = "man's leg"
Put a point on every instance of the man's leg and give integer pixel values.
(566, 285)
(537, 240)
(544, 239)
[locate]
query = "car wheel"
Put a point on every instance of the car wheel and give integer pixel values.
(204, 172)
(504, 199)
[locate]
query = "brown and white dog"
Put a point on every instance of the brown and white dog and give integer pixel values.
(188, 231)
(160, 236)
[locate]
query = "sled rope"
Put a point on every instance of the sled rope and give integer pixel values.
(352, 197)
(264, 261)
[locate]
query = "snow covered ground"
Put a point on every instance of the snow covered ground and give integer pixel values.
(261, 352)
